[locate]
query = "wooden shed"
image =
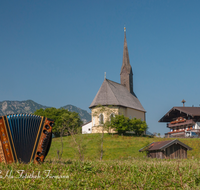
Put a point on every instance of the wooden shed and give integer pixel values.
(166, 149)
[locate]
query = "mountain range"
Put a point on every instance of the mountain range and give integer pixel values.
(29, 106)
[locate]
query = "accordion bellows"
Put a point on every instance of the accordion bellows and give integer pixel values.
(24, 138)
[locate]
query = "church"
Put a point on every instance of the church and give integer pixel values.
(116, 98)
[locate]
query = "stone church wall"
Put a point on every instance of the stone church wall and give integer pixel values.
(98, 129)
(132, 113)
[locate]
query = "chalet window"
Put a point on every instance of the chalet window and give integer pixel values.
(101, 119)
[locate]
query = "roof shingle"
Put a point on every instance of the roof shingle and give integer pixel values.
(112, 93)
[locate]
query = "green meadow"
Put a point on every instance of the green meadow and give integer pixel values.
(123, 167)
(115, 147)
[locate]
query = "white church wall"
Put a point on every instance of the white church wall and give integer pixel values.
(87, 128)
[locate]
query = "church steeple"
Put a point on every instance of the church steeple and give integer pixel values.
(126, 74)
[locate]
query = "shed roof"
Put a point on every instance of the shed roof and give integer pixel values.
(112, 93)
(163, 145)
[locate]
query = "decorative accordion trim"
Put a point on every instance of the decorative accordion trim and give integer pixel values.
(2, 157)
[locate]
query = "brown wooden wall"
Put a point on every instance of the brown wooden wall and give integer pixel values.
(174, 151)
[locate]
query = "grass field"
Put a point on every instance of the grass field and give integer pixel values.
(123, 167)
(126, 174)
(116, 147)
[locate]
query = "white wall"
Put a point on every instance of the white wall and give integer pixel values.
(197, 125)
(87, 128)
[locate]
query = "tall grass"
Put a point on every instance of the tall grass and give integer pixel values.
(126, 174)
(123, 167)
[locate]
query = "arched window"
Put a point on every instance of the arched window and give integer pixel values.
(101, 119)
(112, 115)
(93, 120)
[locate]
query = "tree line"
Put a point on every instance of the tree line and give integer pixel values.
(66, 122)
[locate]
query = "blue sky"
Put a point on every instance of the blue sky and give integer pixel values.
(56, 52)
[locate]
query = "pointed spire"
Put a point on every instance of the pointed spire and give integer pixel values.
(126, 62)
(126, 74)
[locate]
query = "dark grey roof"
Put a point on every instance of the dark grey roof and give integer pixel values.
(161, 145)
(180, 111)
(126, 62)
(112, 93)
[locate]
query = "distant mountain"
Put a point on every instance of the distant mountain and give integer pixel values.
(29, 106)
(14, 107)
(85, 116)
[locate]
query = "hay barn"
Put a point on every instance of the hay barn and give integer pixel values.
(166, 149)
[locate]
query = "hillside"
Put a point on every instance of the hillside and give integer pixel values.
(29, 106)
(116, 147)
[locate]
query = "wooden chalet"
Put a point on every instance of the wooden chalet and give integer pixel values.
(182, 119)
(166, 149)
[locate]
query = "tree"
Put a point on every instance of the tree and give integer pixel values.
(72, 123)
(104, 124)
(54, 114)
(123, 124)
(120, 123)
(64, 122)
(138, 126)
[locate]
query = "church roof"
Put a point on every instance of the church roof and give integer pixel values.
(112, 93)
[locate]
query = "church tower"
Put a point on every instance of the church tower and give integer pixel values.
(116, 98)
(126, 74)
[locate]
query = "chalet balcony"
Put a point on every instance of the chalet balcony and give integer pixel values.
(187, 122)
(181, 133)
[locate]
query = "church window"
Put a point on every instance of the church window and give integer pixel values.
(101, 119)
(112, 115)
(93, 120)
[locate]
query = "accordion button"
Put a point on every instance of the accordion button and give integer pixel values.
(39, 153)
(38, 159)
(45, 131)
(47, 127)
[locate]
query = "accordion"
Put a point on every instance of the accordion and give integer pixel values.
(24, 138)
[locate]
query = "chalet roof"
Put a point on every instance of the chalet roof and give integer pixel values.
(180, 112)
(112, 93)
(163, 145)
